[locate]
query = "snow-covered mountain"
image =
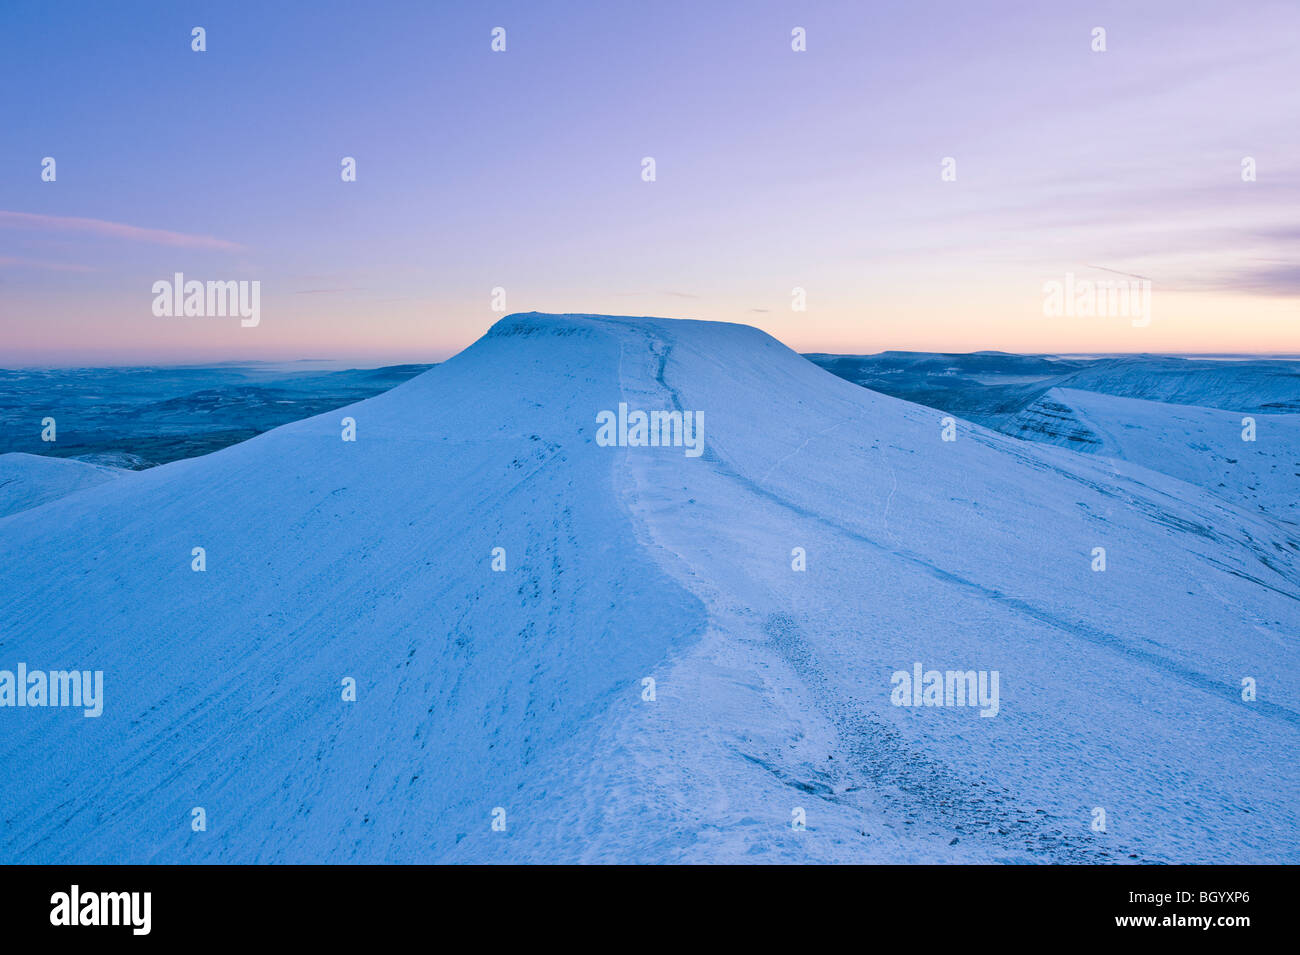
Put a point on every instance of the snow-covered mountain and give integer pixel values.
(1253, 460)
(521, 695)
(991, 387)
(29, 480)
(1262, 385)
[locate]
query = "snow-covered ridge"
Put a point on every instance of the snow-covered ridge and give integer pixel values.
(1252, 460)
(526, 689)
(1266, 386)
(30, 480)
(526, 324)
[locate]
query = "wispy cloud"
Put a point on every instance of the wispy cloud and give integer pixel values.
(1102, 268)
(1282, 281)
(113, 230)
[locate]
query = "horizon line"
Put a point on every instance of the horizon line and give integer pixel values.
(372, 363)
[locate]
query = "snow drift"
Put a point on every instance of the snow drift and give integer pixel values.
(649, 678)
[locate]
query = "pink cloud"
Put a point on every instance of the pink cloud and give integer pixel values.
(113, 230)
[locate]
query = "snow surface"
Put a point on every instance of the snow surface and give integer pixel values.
(1258, 385)
(523, 689)
(29, 480)
(1204, 446)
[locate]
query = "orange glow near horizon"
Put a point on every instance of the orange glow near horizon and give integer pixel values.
(1182, 323)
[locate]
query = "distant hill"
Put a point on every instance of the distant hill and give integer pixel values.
(989, 387)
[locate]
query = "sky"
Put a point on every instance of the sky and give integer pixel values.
(820, 169)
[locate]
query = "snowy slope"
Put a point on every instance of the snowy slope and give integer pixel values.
(1259, 385)
(1204, 446)
(991, 387)
(524, 689)
(29, 480)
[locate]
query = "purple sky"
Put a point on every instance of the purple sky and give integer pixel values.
(522, 169)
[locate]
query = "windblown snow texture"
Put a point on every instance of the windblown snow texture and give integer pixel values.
(522, 689)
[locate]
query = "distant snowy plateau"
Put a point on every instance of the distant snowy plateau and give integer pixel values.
(650, 678)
